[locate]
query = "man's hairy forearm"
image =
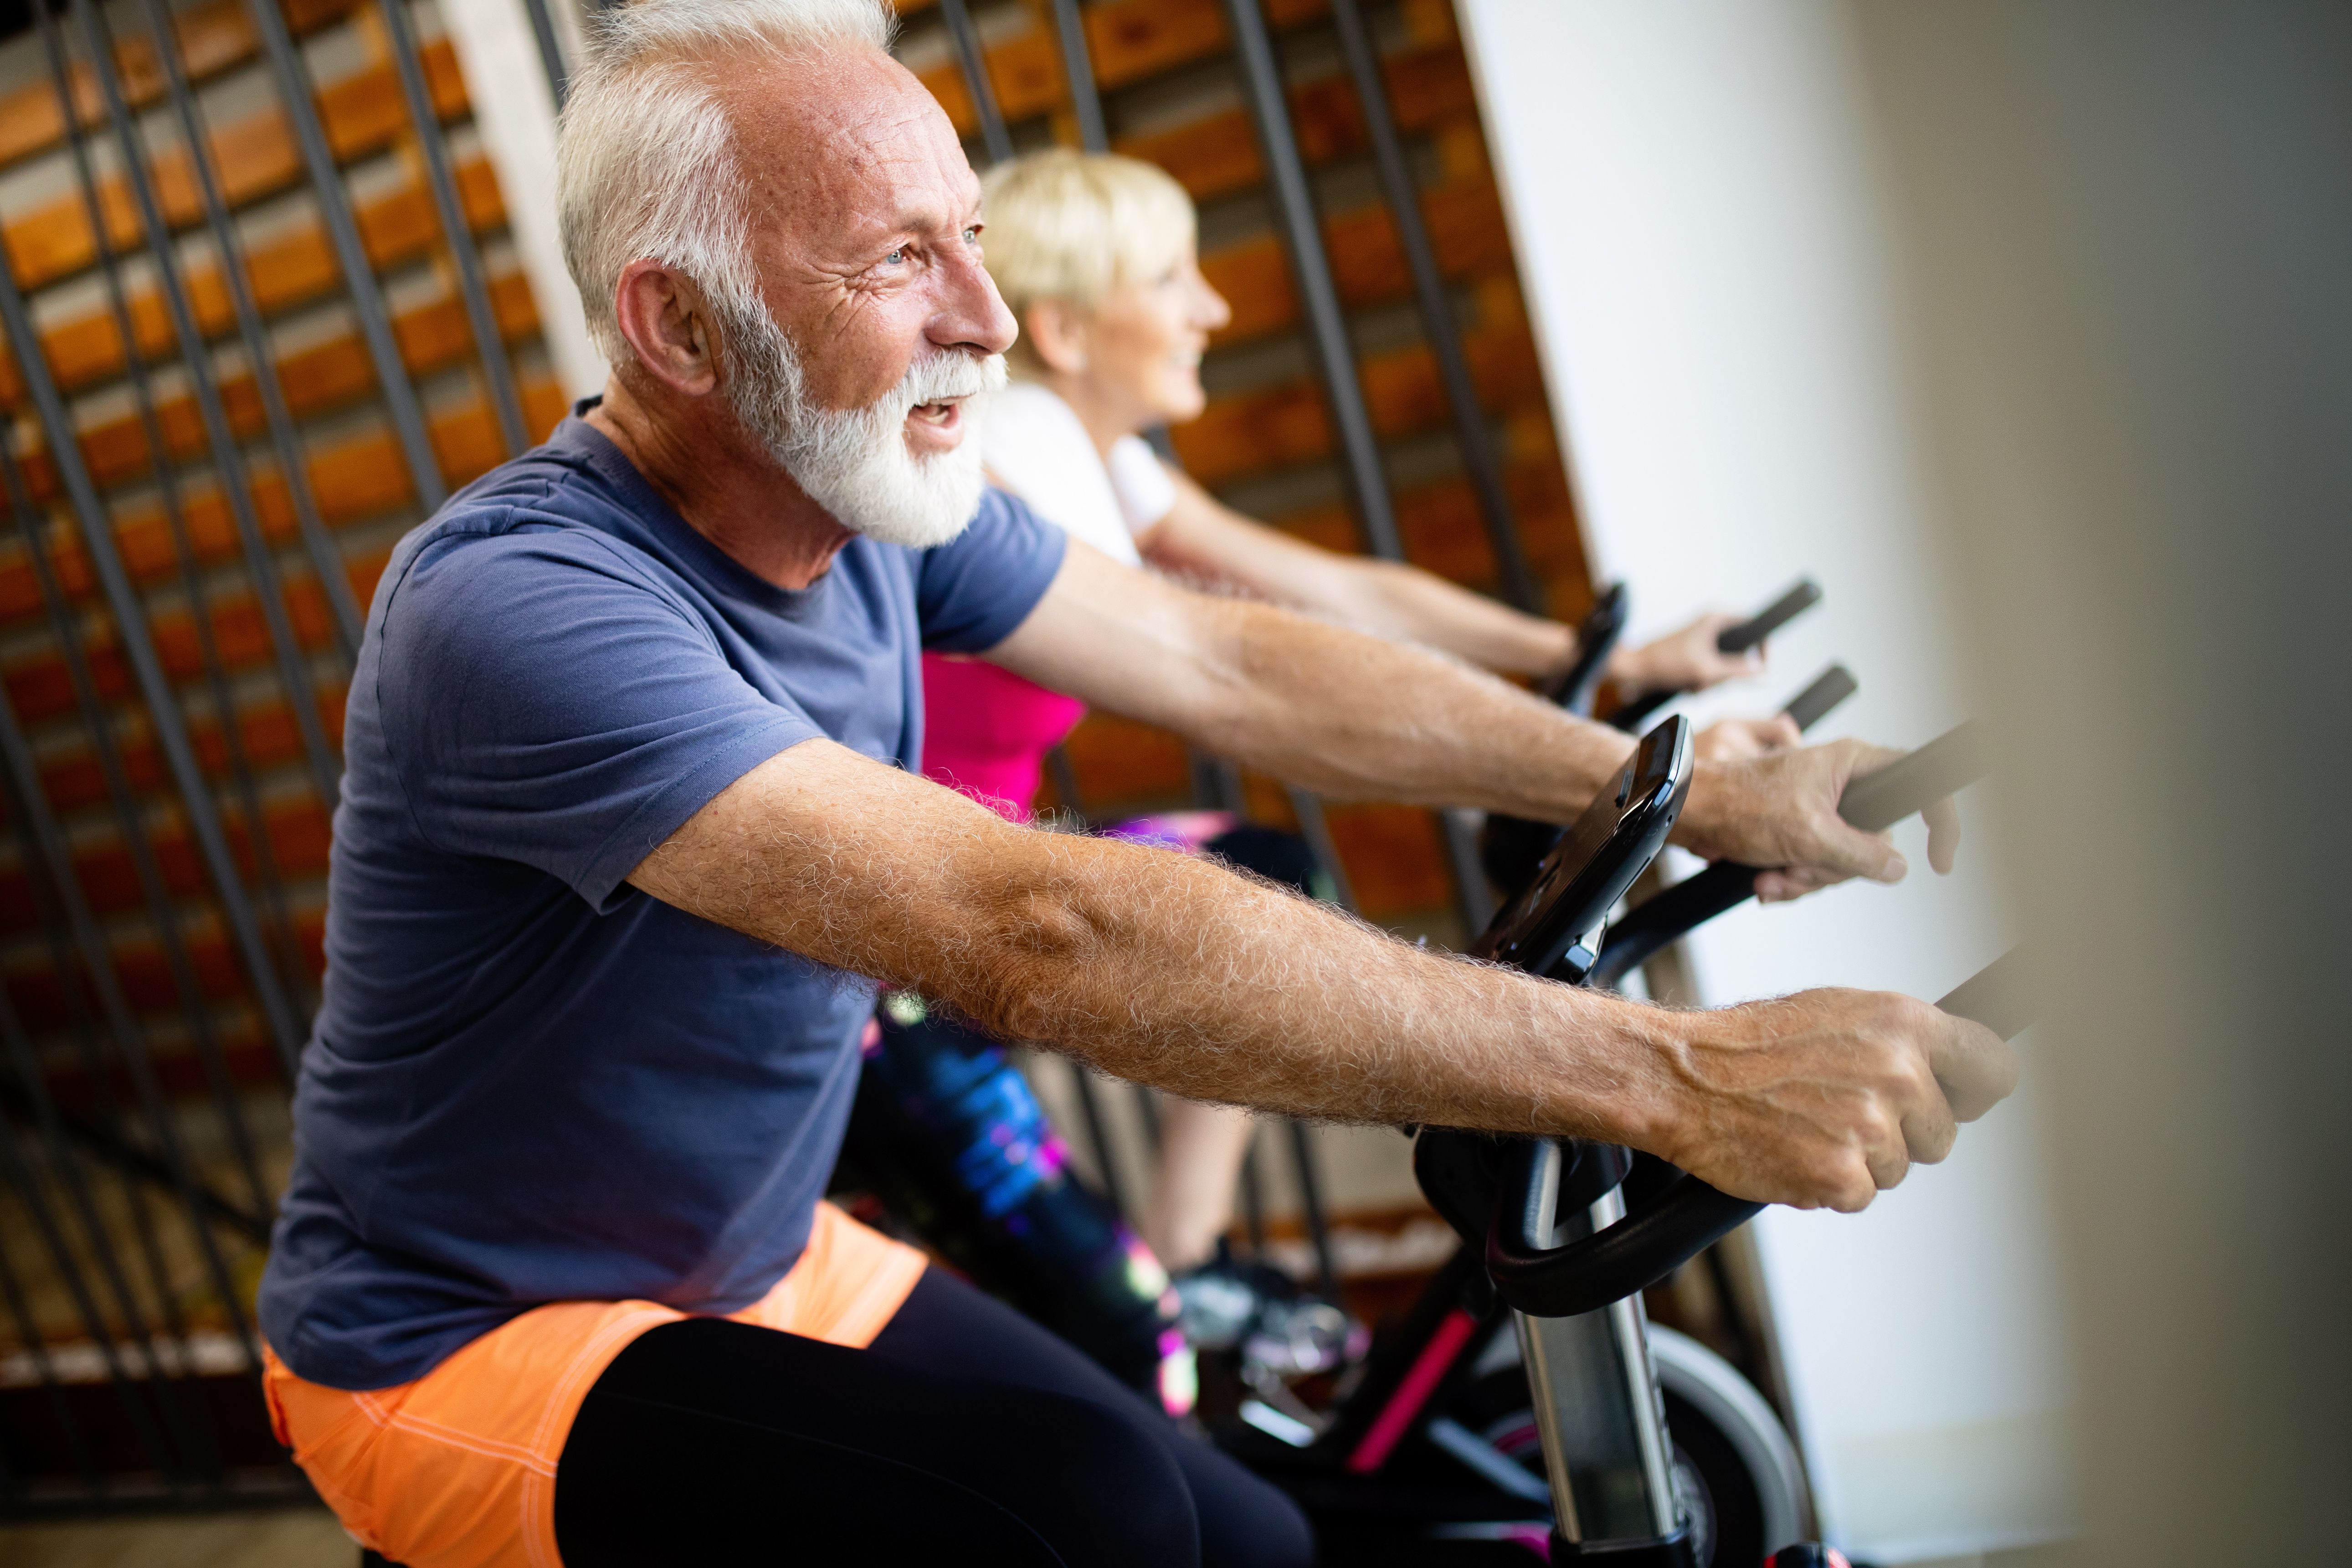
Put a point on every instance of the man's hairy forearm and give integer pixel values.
(1355, 717)
(1169, 971)
(1311, 702)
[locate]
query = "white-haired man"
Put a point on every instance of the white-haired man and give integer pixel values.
(629, 808)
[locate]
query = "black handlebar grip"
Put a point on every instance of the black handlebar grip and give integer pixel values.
(1828, 688)
(1882, 798)
(1664, 918)
(1803, 596)
(1596, 639)
(1667, 1232)
(1871, 802)
(2002, 996)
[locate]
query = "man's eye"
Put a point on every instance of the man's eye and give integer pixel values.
(896, 256)
(971, 235)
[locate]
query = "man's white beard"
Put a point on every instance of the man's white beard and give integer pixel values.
(855, 462)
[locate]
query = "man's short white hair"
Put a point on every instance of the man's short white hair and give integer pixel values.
(647, 162)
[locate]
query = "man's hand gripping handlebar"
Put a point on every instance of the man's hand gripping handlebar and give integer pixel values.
(1822, 1098)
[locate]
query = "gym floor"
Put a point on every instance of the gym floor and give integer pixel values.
(309, 1538)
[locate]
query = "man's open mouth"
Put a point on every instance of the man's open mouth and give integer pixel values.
(942, 413)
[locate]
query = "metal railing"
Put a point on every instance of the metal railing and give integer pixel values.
(140, 1127)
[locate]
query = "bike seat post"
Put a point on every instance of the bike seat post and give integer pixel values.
(1606, 1453)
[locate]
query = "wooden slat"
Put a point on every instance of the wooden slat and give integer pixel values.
(290, 269)
(316, 380)
(1218, 155)
(297, 832)
(357, 480)
(213, 37)
(254, 158)
(1130, 40)
(1283, 426)
(146, 975)
(74, 783)
(1465, 224)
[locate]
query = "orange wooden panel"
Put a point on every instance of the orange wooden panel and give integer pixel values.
(213, 37)
(1283, 426)
(255, 157)
(350, 481)
(298, 839)
(1465, 225)
(315, 380)
(1395, 858)
(288, 270)
(1218, 154)
(146, 977)
(73, 782)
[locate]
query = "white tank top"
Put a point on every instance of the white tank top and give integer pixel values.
(1035, 447)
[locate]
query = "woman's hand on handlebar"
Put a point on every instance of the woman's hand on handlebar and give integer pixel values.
(1779, 811)
(1686, 660)
(1826, 1098)
(1735, 740)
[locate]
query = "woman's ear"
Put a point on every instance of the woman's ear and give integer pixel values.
(1057, 335)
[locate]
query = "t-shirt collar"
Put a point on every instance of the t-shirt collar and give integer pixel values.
(582, 442)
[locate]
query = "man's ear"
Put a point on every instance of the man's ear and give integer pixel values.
(1057, 335)
(662, 315)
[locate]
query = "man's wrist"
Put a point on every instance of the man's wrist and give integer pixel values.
(1704, 826)
(1649, 1045)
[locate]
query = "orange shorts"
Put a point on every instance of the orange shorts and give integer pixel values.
(457, 1469)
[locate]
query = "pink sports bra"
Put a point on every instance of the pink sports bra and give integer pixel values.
(986, 731)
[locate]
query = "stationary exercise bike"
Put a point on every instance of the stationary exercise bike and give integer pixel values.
(1595, 1429)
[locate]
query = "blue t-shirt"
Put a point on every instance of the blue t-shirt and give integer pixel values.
(531, 1082)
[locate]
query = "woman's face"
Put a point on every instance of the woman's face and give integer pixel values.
(1143, 344)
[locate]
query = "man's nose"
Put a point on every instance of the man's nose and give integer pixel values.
(970, 313)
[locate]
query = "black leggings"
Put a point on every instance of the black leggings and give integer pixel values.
(965, 1433)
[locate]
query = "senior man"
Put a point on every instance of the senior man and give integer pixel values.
(631, 809)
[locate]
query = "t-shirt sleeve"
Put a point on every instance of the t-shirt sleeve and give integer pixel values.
(972, 592)
(547, 702)
(1146, 492)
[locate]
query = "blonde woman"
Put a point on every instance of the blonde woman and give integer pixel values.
(1096, 255)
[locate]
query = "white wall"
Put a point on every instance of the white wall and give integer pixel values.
(1692, 196)
(514, 114)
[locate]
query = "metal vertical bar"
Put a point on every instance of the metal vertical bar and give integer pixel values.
(1317, 830)
(1473, 899)
(162, 907)
(1059, 768)
(294, 467)
(1438, 323)
(551, 51)
(351, 252)
(1078, 63)
(489, 342)
(1311, 1200)
(1099, 1134)
(53, 922)
(38, 826)
(167, 479)
(229, 460)
(1254, 1199)
(22, 1177)
(1311, 271)
(139, 648)
(28, 1329)
(973, 59)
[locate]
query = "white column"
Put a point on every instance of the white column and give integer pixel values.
(514, 112)
(1694, 201)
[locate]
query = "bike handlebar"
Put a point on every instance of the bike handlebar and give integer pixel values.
(1872, 802)
(1643, 1248)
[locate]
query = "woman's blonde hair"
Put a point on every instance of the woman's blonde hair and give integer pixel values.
(1072, 227)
